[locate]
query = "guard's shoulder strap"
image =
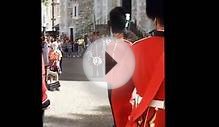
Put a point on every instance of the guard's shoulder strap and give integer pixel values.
(140, 40)
(127, 41)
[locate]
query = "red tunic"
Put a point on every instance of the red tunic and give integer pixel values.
(148, 79)
(120, 102)
(121, 106)
(44, 88)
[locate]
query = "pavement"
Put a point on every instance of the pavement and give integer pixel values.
(79, 103)
(73, 70)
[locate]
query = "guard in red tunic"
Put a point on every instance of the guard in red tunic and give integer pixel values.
(45, 100)
(120, 97)
(149, 95)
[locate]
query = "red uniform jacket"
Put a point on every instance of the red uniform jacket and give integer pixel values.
(148, 78)
(44, 88)
(120, 102)
(121, 106)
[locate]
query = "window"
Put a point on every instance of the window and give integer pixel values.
(75, 10)
(75, 14)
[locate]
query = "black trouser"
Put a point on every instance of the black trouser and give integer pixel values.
(43, 113)
(110, 101)
(61, 62)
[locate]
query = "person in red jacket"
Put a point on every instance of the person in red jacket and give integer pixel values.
(149, 94)
(45, 100)
(119, 97)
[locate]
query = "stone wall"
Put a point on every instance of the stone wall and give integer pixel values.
(139, 16)
(84, 22)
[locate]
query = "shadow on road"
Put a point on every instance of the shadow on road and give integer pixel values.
(73, 77)
(103, 109)
(80, 120)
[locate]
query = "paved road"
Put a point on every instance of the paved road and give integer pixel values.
(73, 70)
(78, 103)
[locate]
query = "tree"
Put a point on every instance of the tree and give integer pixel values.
(45, 2)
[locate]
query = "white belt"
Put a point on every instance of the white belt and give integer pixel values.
(157, 104)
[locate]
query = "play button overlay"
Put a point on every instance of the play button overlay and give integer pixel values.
(109, 60)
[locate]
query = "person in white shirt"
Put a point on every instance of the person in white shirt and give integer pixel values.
(55, 48)
(60, 43)
(45, 52)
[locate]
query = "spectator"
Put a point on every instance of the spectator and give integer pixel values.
(55, 56)
(45, 100)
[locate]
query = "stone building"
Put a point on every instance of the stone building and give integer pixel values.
(47, 14)
(139, 17)
(78, 17)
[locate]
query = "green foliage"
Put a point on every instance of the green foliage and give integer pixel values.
(45, 2)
